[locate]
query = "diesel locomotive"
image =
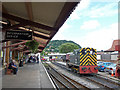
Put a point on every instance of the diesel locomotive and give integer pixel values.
(83, 61)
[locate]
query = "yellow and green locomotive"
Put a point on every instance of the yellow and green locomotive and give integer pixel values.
(83, 61)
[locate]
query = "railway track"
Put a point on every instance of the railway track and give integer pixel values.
(102, 83)
(62, 81)
(108, 80)
(96, 79)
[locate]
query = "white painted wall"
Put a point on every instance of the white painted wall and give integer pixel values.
(98, 57)
(114, 57)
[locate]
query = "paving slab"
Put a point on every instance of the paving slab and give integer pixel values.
(29, 76)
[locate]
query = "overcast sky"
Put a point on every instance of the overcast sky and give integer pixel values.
(92, 24)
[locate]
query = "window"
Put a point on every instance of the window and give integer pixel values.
(91, 52)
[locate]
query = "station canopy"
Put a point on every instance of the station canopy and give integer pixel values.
(42, 18)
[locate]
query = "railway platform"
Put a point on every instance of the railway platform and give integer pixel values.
(29, 76)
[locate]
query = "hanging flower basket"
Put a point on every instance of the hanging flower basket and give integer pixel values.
(32, 45)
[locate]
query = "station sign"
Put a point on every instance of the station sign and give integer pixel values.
(20, 35)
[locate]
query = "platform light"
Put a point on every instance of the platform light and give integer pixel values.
(3, 22)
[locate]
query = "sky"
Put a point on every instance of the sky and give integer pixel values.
(92, 24)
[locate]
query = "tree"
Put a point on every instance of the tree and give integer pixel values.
(55, 44)
(32, 45)
(68, 47)
(44, 53)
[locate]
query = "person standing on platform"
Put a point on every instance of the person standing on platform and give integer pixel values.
(21, 63)
(37, 58)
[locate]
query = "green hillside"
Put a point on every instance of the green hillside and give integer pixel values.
(53, 45)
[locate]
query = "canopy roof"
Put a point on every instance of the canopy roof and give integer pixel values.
(42, 18)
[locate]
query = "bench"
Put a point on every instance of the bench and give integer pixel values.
(8, 71)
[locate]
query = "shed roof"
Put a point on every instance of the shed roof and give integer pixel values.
(114, 44)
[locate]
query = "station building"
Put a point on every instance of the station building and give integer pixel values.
(110, 55)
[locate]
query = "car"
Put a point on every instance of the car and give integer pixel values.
(111, 68)
(102, 66)
(99, 62)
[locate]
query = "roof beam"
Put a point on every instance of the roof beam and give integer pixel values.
(29, 10)
(13, 26)
(41, 36)
(4, 41)
(13, 45)
(35, 33)
(16, 44)
(18, 48)
(39, 40)
(19, 26)
(5, 11)
(31, 23)
(26, 51)
(10, 40)
(41, 48)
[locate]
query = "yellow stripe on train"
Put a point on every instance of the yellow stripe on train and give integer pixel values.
(87, 60)
(84, 60)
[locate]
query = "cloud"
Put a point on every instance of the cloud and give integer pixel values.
(101, 39)
(91, 24)
(94, 11)
(81, 6)
(105, 1)
(74, 16)
(59, 35)
(104, 11)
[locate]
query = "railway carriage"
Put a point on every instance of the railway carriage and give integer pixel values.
(83, 61)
